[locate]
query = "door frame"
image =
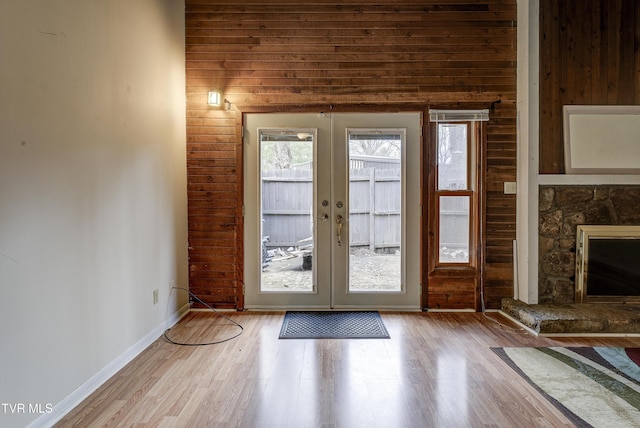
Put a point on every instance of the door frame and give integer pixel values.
(413, 208)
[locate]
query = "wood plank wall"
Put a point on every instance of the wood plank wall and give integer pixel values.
(353, 55)
(590, 54)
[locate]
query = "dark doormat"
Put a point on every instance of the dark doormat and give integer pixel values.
(333, 325)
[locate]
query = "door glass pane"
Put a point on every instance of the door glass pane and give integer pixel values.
(375, 210)
(287, 210)
(454, 229)
(452, 156)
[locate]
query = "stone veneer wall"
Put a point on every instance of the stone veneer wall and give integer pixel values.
(564, 207)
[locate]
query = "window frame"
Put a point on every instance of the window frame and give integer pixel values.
(475, 172)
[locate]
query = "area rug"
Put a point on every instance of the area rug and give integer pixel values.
(593, 387)
(333, 325)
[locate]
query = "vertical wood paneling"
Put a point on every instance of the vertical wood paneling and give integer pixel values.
(500, 209)
(355, 55)
(590, 54)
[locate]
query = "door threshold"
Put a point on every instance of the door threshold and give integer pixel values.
(337, 308)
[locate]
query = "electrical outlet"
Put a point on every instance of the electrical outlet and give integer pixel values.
(155, 296)
(510, 187)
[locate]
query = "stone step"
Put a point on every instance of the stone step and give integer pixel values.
(567, 319)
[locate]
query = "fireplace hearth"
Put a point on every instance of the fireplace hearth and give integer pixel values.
(593, 319)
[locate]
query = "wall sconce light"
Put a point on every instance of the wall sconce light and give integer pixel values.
(213, 99)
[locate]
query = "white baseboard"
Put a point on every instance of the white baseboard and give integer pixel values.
(83, 391)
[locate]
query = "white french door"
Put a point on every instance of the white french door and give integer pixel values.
(332, 211)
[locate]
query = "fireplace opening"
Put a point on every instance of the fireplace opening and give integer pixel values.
(608, 264)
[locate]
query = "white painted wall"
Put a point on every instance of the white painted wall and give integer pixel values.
(92, 190)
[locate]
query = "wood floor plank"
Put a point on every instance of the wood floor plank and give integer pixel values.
(437, 370)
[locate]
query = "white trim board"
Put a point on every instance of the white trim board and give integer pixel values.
(587, 179)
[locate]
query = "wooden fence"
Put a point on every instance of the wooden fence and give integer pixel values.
(374, 207)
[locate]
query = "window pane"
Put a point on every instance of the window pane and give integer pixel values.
(454, 229)
(452, 156)
(287, 211)
(375, 211)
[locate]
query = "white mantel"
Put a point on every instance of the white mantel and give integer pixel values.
(579, 179)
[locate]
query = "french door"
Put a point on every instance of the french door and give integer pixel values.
(332, 211)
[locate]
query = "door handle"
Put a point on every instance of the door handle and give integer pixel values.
(339, 223)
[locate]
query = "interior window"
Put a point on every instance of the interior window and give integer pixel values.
(454, 192)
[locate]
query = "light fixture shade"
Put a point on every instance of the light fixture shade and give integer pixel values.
(214, 98)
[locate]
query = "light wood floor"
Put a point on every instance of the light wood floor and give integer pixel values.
(437, 370)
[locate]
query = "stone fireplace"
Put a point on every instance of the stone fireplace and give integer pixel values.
(561, 209)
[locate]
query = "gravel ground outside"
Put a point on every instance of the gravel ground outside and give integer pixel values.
(369, 271)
